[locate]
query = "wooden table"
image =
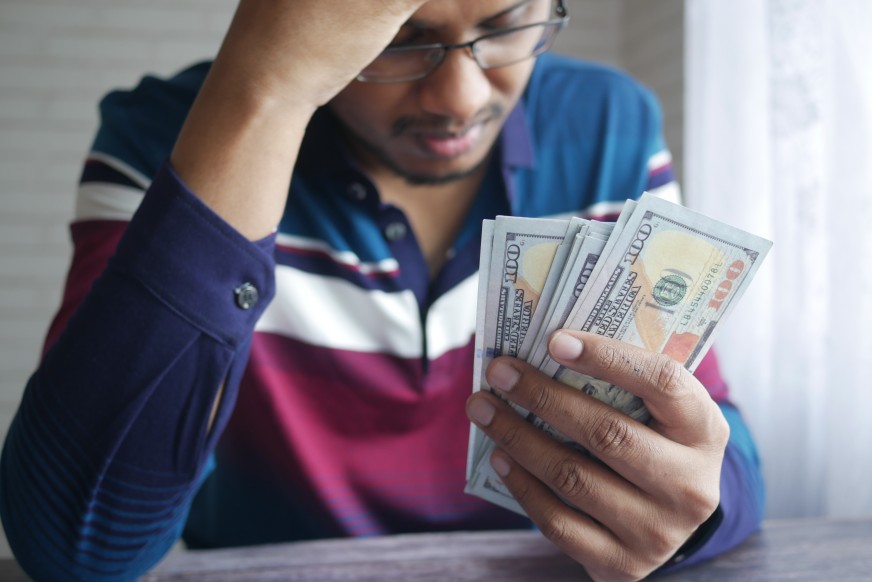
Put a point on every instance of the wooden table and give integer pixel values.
(818, 550)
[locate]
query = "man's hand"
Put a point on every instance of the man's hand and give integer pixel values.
(280, 60)
(649, 488)
(308, 50)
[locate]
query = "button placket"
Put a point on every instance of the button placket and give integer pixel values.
(357, 191)
(396, 230)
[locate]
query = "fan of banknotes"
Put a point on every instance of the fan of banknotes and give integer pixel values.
(662, 277)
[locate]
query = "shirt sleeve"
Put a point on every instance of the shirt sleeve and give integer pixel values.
(112, 438)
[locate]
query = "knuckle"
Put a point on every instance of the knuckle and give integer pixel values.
(522, 493)
(662, 543)
(668, 376)
(541, 400)
(720, 430)
(703, 505)
(620, 565)
(570, 481)
(608, 357)
(511, 437)
(556, 528)
(698, 503)
(612, 436)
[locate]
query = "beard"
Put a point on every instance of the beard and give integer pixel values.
(414, 178)
(491, 114)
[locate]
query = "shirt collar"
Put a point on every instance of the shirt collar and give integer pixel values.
(515, 139)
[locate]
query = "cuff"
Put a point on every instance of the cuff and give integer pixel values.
(195, 262)
(700, 538)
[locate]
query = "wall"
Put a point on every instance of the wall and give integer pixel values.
(58, 57)
(644, 37)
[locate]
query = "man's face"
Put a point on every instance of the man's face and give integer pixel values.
(442, 127)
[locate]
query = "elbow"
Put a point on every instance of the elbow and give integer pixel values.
(58, 533)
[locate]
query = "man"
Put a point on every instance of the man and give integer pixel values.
(325, 335)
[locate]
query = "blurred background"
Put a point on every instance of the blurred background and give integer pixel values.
(768, 112)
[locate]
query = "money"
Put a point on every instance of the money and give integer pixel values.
(520, 254)
(662, 277)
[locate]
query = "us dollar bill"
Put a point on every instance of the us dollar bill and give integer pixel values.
(665, 280)
(575, 277)
(520, 254)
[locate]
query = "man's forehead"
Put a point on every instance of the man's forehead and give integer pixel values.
(442, 13)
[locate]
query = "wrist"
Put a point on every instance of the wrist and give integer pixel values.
(237, 149)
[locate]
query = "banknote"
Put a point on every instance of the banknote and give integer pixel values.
(476, 436)
(520, 253)
(577, 226)
(665, 280)
(574, 276)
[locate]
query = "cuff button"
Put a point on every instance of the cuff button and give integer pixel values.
(246, 296)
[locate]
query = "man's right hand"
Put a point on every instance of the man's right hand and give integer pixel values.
(311, 49)
(280, 61)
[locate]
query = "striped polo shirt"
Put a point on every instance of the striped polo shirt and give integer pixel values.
(345, 364)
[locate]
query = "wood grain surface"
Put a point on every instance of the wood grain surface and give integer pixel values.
(813, 550)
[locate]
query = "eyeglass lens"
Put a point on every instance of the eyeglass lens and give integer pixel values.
(496, 50)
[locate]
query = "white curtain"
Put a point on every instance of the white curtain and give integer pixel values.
(779, 141)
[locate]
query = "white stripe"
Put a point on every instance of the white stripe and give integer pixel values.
(346, 258)
(604, 208)
(336, 314)
(123, 167)
(670, 191)
(660, 159)
(451, 319)
(103, 201)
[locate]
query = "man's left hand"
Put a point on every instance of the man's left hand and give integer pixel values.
(627, 511)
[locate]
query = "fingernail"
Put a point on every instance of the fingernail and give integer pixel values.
(564, 346)
(482, 411)
(500, 465)
(503, 377)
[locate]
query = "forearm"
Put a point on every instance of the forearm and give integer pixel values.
(112, 434)
(279, 62)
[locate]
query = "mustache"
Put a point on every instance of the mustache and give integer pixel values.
(438, 123)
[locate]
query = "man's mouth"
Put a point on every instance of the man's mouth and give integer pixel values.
(450, 144)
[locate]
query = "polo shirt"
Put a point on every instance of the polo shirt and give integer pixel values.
(345, 366)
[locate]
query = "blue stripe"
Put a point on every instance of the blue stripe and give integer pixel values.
(97, 171)
(322, 265)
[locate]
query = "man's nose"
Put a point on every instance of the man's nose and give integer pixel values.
(458, 89)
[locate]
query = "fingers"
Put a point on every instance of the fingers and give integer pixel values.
(593, 515)
(649, 459)
(574, 477)
(680, 406)
(630, 448)
(306, 51)
(575, 533)
(627, 508)
(591, 542)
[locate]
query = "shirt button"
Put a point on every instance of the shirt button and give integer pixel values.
(246, 296)
(357, 191)
(395, 231)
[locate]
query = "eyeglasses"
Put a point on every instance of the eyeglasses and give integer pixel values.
(497, 49)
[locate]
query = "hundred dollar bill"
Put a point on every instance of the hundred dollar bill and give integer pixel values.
(577, 275)
(533, 343)
(521, 253)
(664, 283)
(476, 436)
(481, 480)
(574, 227)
